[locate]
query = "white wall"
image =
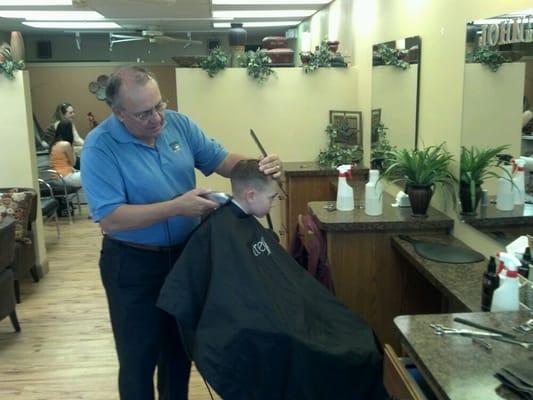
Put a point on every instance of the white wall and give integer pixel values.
(289, 113)
(17, 152)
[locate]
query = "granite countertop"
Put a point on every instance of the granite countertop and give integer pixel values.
(490, 217)
(311, 168)
(459, 282)
(393, 218)
(454, 366)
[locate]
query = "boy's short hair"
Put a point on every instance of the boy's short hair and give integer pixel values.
(245, 173)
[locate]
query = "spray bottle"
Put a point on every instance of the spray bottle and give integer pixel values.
(519, 182)
(344, 191)
(506, 297)
(505, 195)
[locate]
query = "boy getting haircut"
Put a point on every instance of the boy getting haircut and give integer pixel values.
(252, 190)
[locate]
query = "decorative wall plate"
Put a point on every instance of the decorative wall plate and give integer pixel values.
(100, 93)
(102, 80)
(93, 87)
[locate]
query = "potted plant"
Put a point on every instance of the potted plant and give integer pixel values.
(7, 65)
(390, 56)
(338, 151)
(477, 165)
(380, 147)
(257, 64)
(421, 170)
(320, 58)
(216, 61)
(485, 55)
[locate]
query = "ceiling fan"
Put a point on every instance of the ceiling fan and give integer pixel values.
(152, 37)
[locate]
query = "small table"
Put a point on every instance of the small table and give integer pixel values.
(454, 366)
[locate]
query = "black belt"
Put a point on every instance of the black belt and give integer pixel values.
(146, 247)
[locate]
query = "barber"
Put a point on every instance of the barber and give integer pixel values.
(138, 175)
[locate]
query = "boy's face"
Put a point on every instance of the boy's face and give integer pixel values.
(260, 201)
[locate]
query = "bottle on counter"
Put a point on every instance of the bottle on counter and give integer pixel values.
(505, 195)
(373, 194)
(345, 201)
(529, 291)
(506, 297)
(519, 189)
(526, 264)
(490, 284)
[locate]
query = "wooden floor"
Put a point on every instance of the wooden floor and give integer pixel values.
(65, 350)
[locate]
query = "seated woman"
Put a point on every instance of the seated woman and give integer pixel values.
(65, 111)
(62, 156)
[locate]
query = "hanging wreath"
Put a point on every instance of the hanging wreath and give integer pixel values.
(7, 65)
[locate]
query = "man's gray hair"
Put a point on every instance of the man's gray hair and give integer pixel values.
(134, 73)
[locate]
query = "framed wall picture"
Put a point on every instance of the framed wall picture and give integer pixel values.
(374, 122)
(349, 125)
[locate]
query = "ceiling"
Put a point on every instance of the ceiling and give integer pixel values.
(169, 16)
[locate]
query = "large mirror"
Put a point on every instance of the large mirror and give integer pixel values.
(498, 110)
(395, 93)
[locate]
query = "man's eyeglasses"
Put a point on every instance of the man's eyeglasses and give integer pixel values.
(145, 115)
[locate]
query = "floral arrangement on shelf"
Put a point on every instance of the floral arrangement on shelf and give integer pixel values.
(320, 58)
(216, 61)
(488, 56)
(257, 64)
(391, 56)
(7, 65)
(337, 152)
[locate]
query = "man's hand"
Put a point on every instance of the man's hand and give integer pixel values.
(192, 204)
(271, 165)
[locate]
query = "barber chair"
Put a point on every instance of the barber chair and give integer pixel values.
(7, 257)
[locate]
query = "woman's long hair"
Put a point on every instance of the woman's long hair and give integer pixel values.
(63, 132)
(60, 111)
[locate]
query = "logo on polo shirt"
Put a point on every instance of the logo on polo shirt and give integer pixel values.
(175, 147)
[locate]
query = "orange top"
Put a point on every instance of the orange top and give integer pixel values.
(59, 161)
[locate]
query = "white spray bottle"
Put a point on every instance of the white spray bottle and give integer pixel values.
(506, 297)
(519, 182)
(344, 191)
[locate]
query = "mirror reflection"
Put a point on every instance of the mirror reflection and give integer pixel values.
(395, 88)
(498, 111)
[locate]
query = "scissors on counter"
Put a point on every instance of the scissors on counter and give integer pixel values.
(442, 330)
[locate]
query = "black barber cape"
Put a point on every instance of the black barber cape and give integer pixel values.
(258, 326)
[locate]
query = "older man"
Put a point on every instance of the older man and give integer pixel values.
(138, 174)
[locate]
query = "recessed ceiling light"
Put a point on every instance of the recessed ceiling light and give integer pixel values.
(72, 25)
(229, 14)
(257, 24)
(24, 3)
(277, 2)
(52, 15)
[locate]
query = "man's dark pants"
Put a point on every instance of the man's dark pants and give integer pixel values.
(145, 336)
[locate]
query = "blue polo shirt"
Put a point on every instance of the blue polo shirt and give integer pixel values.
(117, 168)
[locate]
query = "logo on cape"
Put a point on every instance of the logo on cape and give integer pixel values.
(261, 247)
